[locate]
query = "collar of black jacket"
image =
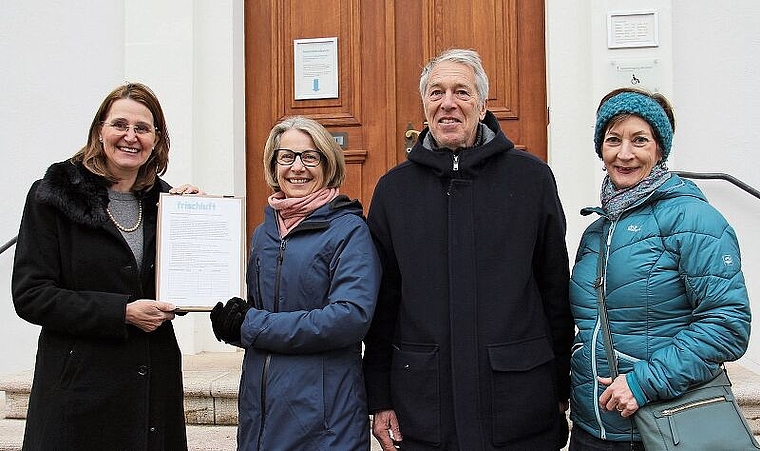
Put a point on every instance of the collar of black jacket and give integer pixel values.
(81, 195)
(470, 160)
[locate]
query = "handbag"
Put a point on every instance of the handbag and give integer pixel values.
(705, 417)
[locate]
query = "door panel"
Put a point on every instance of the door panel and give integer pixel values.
(382, 47)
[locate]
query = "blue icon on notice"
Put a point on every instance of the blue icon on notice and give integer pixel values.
(315, 85)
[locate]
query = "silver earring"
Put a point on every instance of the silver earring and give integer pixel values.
(100, 139)
(604, 168)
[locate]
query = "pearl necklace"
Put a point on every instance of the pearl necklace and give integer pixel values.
(127, 229)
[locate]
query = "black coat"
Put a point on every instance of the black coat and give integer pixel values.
(470, 343)
(98, 382)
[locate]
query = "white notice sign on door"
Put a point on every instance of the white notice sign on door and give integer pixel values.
(316, 68)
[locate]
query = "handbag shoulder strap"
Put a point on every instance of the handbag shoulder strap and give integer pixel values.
(599, 284)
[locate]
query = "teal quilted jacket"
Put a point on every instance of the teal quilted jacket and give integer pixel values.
(676, 298)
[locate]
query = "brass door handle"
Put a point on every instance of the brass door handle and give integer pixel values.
(411, 135)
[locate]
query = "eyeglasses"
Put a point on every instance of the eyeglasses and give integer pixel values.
(309, 158)
(123, 127)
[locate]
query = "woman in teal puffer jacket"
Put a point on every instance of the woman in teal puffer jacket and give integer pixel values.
(675, 293)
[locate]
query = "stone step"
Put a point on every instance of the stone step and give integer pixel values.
(199, 437)
(210, 384)
(746, 388)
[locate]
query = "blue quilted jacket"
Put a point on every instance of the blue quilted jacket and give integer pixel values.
(676, 299)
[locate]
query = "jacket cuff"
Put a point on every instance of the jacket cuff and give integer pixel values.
(378, 391)
(633, 384)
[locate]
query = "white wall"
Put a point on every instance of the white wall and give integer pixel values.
(580, 71)
(716, 68)
(708, 61)
(61, 58)
(191, 54)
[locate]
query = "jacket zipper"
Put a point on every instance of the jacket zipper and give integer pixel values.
(280, 256)
(268, 359)
(669, 414)
(691, 405)
(603, 282)
(456, 162)
(263, 398)
(258, 302)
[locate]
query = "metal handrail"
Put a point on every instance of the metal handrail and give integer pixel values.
(7, 245)
(689, 175)
(719, 176)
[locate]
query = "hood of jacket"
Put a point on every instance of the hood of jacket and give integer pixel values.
(341, 205)
(471, 159)
(81, 195)
(677, 187)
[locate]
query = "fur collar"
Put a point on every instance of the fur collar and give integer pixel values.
(79, 194)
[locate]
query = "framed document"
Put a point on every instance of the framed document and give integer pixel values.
(200, 250)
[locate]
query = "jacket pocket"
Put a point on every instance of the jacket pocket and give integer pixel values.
(523, 387)
(415, 391)
(71, 366)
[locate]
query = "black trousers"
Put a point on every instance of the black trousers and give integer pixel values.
(581, 440)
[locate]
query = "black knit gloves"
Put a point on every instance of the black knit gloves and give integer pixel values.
(226, 320)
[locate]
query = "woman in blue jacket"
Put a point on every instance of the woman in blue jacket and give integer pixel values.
(675, 293)
(313, 277)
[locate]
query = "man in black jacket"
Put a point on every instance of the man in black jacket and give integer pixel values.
(470, 344)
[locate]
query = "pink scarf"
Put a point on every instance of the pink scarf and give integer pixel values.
(292, 210)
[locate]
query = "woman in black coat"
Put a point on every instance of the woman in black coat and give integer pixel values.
(108, 372)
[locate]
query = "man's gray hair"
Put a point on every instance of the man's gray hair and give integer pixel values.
(462, 56)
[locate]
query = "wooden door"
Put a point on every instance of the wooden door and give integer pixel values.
(382, 47)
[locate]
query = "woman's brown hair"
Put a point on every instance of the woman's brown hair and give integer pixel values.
(93, 156)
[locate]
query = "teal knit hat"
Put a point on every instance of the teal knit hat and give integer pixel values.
(640, 105)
